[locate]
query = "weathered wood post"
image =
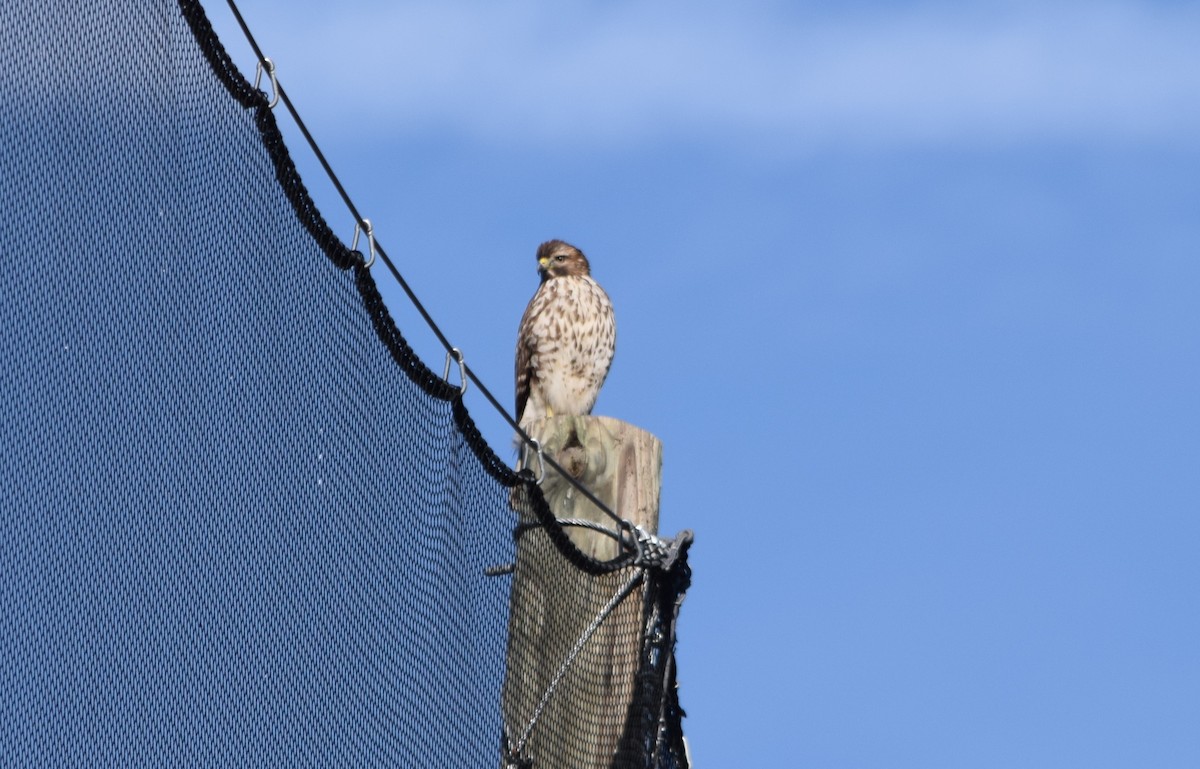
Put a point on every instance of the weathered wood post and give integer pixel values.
(574, 637)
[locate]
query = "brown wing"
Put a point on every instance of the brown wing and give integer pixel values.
(525, 375)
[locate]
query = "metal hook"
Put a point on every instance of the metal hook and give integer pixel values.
(366, 224)
(541, 461)
(457, 355)
(270, 67)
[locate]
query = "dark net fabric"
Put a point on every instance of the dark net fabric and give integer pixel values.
(241, 524)
(590, 677)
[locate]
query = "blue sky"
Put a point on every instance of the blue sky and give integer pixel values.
(908, 290)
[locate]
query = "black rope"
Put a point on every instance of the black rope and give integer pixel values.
(312, 143)
(563, 542)
(525, 438)
(387, 331)
(385, 327)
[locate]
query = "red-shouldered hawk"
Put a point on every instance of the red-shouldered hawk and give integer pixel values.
(566, 340)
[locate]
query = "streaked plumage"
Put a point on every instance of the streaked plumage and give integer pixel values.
(566, 339)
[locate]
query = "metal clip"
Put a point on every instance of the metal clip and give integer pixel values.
(270, 67)
(366, 224)
(457, 355)
(541, 462)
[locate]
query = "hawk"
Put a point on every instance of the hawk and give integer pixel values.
(566, 340)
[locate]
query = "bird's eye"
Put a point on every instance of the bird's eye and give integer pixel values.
(560, 258)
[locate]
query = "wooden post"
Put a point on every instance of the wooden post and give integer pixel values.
(570, 712)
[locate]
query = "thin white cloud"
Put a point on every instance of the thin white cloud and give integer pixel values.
(574, 75)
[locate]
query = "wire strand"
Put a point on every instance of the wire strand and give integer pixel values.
(412, 297)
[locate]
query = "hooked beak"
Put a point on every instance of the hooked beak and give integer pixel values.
(543, 265)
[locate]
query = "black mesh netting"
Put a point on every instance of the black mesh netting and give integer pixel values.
(240, 523)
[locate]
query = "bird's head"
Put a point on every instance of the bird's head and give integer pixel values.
(557, 259)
